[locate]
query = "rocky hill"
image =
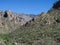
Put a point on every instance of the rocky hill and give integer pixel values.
(10, 21)
(43, 29)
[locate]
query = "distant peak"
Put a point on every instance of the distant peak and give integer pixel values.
(1, 11)
(8, 11)
(43, 13)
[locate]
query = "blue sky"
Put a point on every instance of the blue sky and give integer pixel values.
(27, 6)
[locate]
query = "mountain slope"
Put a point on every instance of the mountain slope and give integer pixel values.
(41, 30)
(10, 21)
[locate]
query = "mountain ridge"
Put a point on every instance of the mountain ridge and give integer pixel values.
(11, 21)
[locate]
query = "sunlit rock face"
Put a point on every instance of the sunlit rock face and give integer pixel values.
(10, 21)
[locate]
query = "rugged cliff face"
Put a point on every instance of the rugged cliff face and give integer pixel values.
(10, 21)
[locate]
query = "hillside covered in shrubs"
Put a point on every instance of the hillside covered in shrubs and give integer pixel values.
(43, 29)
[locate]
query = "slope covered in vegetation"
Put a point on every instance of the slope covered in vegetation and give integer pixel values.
(42, 30)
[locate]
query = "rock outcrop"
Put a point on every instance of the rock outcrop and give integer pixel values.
(10, 21)
(57, 5)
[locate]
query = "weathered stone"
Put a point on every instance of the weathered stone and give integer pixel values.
(10, 21)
